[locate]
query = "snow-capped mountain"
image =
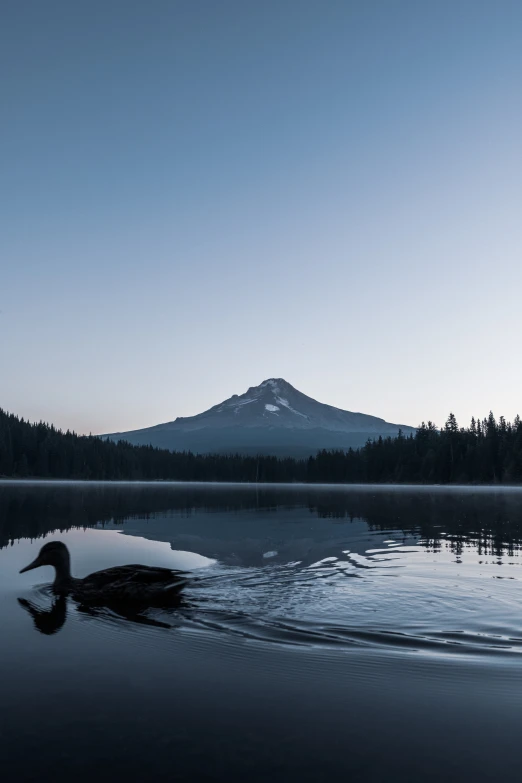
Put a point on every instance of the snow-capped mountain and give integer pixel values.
(272, 418)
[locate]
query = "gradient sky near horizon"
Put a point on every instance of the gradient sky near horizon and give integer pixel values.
(199, 195)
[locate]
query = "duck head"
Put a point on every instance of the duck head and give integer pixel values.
(52, 554)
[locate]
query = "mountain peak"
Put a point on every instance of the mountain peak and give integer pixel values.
(272, 382)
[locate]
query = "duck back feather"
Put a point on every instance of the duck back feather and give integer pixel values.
(136, 583)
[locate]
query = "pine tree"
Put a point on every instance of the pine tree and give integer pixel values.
(451, 424)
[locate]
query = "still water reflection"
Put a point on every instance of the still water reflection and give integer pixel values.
(362, 631)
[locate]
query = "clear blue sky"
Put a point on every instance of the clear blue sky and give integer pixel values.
(198, 195)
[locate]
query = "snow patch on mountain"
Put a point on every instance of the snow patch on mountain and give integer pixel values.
(235, 406)
(286, 404)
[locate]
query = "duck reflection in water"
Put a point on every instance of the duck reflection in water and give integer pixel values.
(47, 621)
(125, 590)
(50, 621)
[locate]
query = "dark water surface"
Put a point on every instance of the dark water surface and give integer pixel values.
(363, 632)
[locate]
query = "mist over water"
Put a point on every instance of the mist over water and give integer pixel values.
(321, 627)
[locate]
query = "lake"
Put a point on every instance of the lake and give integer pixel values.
(372, 633)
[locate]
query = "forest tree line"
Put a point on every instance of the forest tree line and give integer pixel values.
(488, 451)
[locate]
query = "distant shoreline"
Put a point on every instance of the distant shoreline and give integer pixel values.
(5, 480)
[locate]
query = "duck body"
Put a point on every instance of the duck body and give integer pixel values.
(128, 584)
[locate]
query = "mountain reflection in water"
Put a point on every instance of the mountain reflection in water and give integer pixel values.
(489, 520)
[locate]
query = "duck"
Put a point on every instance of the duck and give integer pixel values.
(128, 584)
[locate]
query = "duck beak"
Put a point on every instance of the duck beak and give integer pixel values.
(35, 564)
